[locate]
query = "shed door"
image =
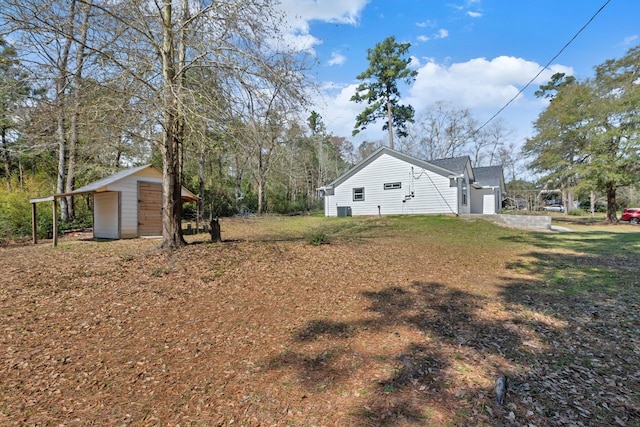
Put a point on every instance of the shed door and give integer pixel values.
(149, 209)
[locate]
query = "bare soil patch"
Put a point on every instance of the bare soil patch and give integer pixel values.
(396, 322)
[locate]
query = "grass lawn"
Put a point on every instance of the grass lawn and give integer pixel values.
(397, 321)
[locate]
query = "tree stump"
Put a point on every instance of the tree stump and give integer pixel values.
(215, 231)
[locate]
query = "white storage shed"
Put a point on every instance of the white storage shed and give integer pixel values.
(127, 204)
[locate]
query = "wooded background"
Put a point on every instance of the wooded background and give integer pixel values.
(211, 93)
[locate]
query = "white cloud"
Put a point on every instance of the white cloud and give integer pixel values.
(414, 63)
(298, 14)
(337, 109)
(467, 6)
(442, 34)
(630, 40)
(336, 59)
(425, 24)
(481, 85)
(335, 11)
(478, 82)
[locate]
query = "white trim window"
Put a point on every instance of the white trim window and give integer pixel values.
(392, 185)
(358, 194)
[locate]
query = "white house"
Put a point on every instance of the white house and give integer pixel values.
(125, 205)
(391, 183)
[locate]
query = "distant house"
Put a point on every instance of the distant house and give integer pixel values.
(127, 204)
(392, 183)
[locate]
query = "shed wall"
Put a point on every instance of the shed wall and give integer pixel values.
(106, 219)
(129, 200)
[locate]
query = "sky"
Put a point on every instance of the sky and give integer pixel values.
(473, 54)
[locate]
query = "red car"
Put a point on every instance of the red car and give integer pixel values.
(631, 214)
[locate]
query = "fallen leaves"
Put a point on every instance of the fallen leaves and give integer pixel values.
(382, 329)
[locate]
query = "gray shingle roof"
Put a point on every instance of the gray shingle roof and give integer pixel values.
(489, 175)
(453, 164)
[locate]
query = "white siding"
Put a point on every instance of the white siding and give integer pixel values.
(105, 215)
(129, 200)
(484, 201)
(432, 193)
(328, 202)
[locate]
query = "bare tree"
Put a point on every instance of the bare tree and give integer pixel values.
(52, 35)
(265, 127)
(228, 36)
(158, 44)
(13, 91)
(487, 143)
(442, 131)
(73, 133)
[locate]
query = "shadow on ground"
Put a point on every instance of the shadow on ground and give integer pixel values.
(566, 336)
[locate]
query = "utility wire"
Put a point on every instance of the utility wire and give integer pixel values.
(543, 68)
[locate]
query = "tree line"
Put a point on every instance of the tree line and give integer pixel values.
(210, 92)
(214, 95)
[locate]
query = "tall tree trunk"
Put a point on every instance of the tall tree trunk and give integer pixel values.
(321, 162)
(612, 214)
(62, 148)
(260, 195)
(171, 186)
(72, 146)
(61, 87)
(5, 159)
(260, 180)
(20, 172)
(390, 123)
(201, 179)
(238, 173)
(172, 138)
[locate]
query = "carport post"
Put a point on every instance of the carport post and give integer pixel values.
(197, 217)
(34, 217)
(55, 222)
(34, 223)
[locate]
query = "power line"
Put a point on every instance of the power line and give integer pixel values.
(543, 68)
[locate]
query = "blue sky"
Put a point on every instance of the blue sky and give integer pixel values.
(474, 54)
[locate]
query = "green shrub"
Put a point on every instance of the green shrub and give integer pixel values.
(15, 209)
(576, 212)
(317, 237)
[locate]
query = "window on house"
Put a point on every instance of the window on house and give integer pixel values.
(358, 194)
(464, 192)
(392, 185)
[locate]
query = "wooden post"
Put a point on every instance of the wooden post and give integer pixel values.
(34, 224)
(197, 217)
(55, 222)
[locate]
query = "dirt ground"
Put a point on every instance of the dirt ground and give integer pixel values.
(385, 326)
